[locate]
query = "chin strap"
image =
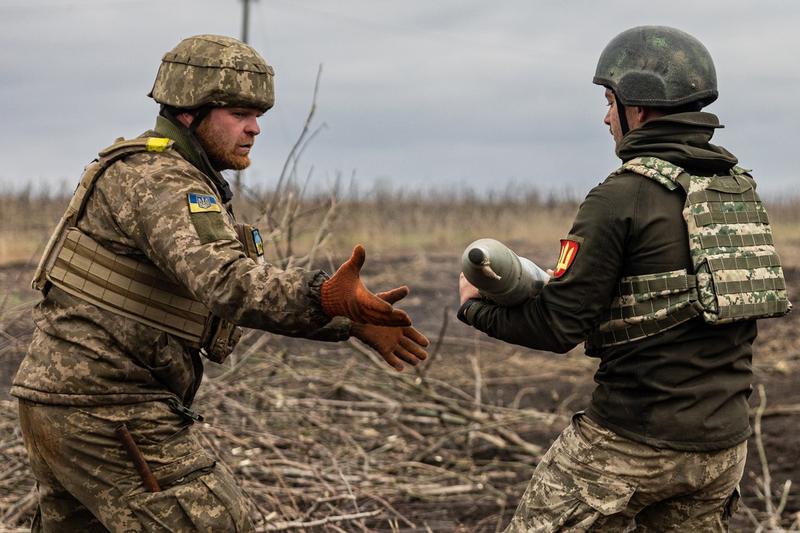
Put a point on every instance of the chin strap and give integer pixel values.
(199, 115)
(221, 183)
(623, 120)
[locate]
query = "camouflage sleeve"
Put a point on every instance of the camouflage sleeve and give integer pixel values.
(173, 214)
(569, 306)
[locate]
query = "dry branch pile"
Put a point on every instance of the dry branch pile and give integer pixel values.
(325, 438)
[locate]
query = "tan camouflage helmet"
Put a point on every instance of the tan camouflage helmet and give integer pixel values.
(214, 70)
(657, 66)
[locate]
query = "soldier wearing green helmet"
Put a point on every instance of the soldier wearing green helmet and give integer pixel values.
(148, 273)
(667, 266)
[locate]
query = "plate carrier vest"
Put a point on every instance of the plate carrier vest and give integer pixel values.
(737, 273)
(131, 287)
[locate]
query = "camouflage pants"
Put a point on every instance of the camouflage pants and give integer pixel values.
(87, 482)
(592, 479)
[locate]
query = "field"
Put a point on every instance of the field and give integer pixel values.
(325, 438)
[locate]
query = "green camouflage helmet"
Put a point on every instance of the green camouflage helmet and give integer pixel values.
(657, 66)
(214, 70)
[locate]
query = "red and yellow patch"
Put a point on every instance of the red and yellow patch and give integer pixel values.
(569, 249)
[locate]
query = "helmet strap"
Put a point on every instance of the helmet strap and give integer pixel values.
(623, 118)
(199, 115)
(206, 167)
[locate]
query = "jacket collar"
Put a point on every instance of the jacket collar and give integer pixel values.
(191, 150)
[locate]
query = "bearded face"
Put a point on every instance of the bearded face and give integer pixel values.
(227, 135)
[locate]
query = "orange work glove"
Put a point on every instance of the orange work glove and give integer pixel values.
(344, 294)
(393, 343)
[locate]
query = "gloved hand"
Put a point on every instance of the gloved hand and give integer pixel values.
(393, 343)
(344, 294)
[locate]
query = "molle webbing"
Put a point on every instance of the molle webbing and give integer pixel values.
(123, 285)
(646, 305)
(77, 204)
(80, 266)
(737, 273)
(131, 287)
(731, 217)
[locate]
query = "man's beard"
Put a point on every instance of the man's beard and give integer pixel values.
(220, 156)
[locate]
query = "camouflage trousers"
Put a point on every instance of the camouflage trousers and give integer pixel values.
(592, 479)
(87, 482)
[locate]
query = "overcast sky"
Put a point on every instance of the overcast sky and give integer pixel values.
(443, 94)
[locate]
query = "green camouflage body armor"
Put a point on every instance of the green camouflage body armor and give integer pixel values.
(135, 288)
(737, 272)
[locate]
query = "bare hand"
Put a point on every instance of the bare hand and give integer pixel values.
(466, 290)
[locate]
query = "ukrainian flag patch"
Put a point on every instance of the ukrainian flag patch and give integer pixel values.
(258, 242)
(203, 203)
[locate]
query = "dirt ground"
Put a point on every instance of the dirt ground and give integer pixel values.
(502, 376)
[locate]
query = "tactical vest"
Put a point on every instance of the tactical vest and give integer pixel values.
(134, 288)
(737, 273)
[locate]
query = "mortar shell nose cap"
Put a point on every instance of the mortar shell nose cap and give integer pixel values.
(476, 256)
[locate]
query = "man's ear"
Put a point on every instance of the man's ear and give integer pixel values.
(185, 119)
(638, 115)
(649, 113)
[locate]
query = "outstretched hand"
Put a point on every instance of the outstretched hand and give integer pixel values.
(344, 294)
(395, 344)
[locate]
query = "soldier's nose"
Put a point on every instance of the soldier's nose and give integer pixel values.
(252, 127)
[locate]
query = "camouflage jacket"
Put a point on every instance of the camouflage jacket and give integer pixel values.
(685, 388)
(83, 355)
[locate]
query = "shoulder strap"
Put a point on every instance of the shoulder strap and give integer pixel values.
(121, 148)
(660, 171)
(106, 157)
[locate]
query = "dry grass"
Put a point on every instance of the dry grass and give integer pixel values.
(25, 223)
(388, 223)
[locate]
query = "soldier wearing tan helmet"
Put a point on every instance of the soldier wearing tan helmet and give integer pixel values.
(668, 264)
(147, 274)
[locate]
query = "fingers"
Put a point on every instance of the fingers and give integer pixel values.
(466, 290)
(376, 311)
(400, 318)
(412, 348)
(358, 257)
(415, 335)
(394, 295)
(353, 265)
(393, 361)
(407, 356)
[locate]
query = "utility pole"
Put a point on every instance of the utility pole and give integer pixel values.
(245, 19)
(245, 35)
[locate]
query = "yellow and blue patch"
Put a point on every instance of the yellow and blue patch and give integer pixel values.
(258, 242)
(203, 203)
